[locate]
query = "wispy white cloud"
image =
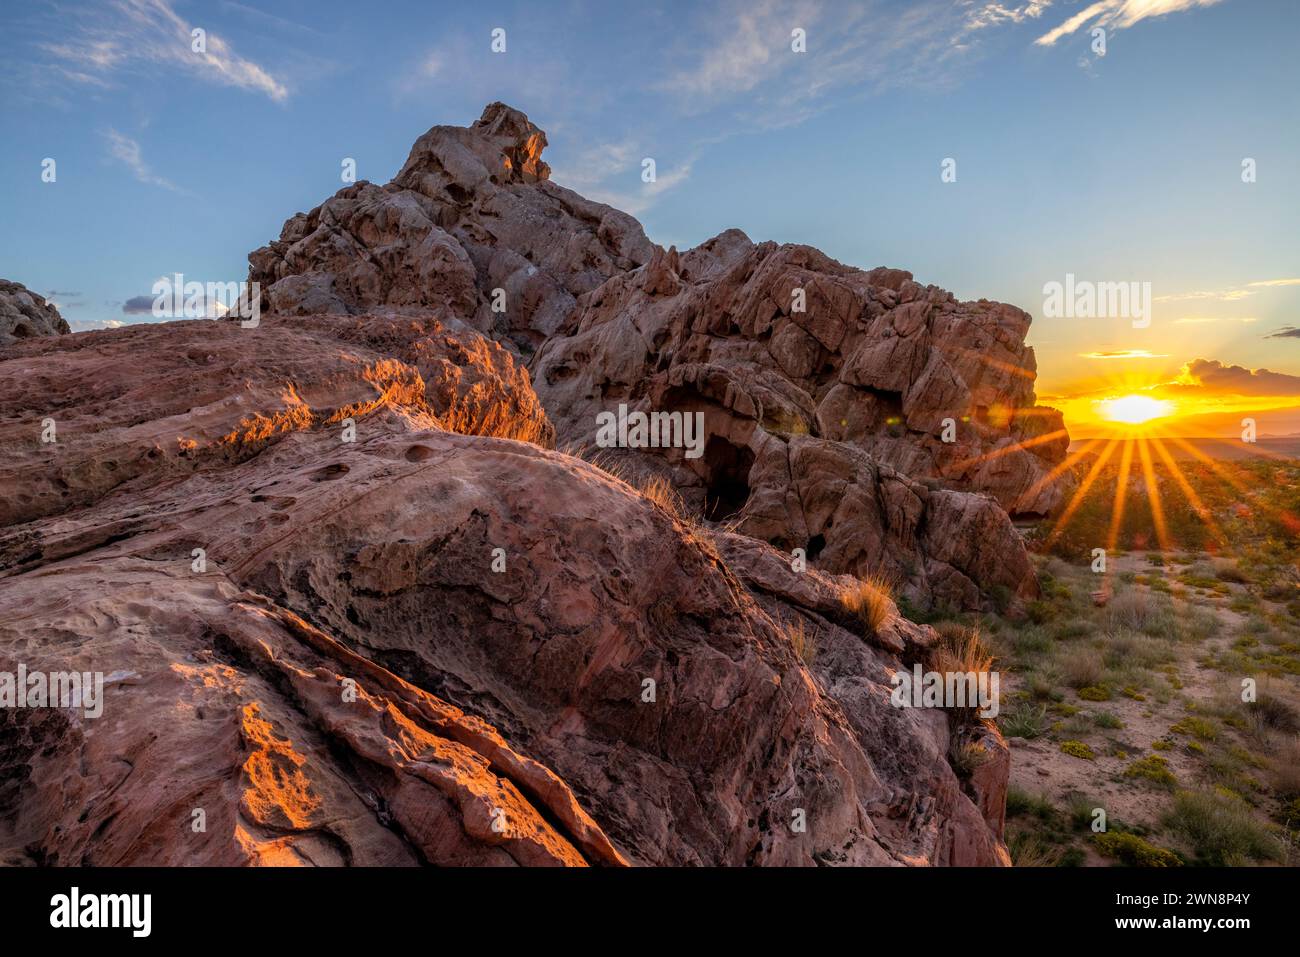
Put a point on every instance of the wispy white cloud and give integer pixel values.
(1229, 295)
(127, 151)
(990, 13)
(131, 32)
(1218, 295)
(740, 57)
(1118, 15)
(1125, 354)
(742, 46)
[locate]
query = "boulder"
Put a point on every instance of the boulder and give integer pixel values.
(25, 315)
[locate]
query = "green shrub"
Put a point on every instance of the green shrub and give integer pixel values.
(1152, 768)
(1077, 749)
(1026, 721)
(1197, 728)
(1131, 850)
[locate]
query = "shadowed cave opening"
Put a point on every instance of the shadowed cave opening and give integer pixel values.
(727, 489)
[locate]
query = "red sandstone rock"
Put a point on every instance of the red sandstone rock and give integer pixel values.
(498, 716)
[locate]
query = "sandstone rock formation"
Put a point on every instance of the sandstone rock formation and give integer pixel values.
(426, 645)
(806, 408)
(825, 418)
(25, 315)
(471, 212)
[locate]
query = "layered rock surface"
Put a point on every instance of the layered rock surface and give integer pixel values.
(25, 315)
(429, 644)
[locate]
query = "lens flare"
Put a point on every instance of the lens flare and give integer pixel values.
(1135, 409)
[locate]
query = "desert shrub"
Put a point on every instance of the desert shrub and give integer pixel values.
(1030, 641)
(1133, 851)
(1077, 749)
(1270, 711)
(1028, 849)
(1105, 719)
(1286, 769)
(1041, 685)
(1023, 804)
(1038, 611)
(1129, 609)
(1226, 570)
(1221, 829)
(1071, 628)
(1132, 649)
(1025, 721)
(1152, 768)
(966, 757)
(1081, 810)
(1095, 693)
(1197, 727)
(1082, 667)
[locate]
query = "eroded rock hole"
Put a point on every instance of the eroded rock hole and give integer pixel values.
(815, 546)
(728, 478)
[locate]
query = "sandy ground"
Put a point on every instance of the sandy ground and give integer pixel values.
(1039, 766)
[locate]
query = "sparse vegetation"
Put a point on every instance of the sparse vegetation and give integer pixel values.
(1026, 721)
(1152, 768)
(870, 600)
(1133, 851)
(804, 643)
(1077, 749)
(1221, 829)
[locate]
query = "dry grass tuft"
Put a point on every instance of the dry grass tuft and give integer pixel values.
(804, 644)
(1286, 769)
(871, 600)
(960, 649)
(660, 491)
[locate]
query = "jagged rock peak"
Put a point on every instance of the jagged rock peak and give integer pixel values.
(523, 155)
(471, 227)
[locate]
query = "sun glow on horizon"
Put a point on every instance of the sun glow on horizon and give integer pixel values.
(1134, 409)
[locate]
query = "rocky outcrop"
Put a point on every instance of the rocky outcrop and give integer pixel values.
(787, 341)
(25, 315)
(471, 226)
(771, 344)
(83, 425)
(433, 643)
(825, 393)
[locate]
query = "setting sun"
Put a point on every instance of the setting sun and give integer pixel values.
(1135, 409)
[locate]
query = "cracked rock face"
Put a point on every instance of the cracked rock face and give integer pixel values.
(427, 644)
(25, 315)
(825, 393)
(472, 211)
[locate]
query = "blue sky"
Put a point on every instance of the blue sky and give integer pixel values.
(1119, 167)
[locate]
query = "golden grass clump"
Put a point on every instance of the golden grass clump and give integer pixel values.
(960, 649)
(871, 600)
